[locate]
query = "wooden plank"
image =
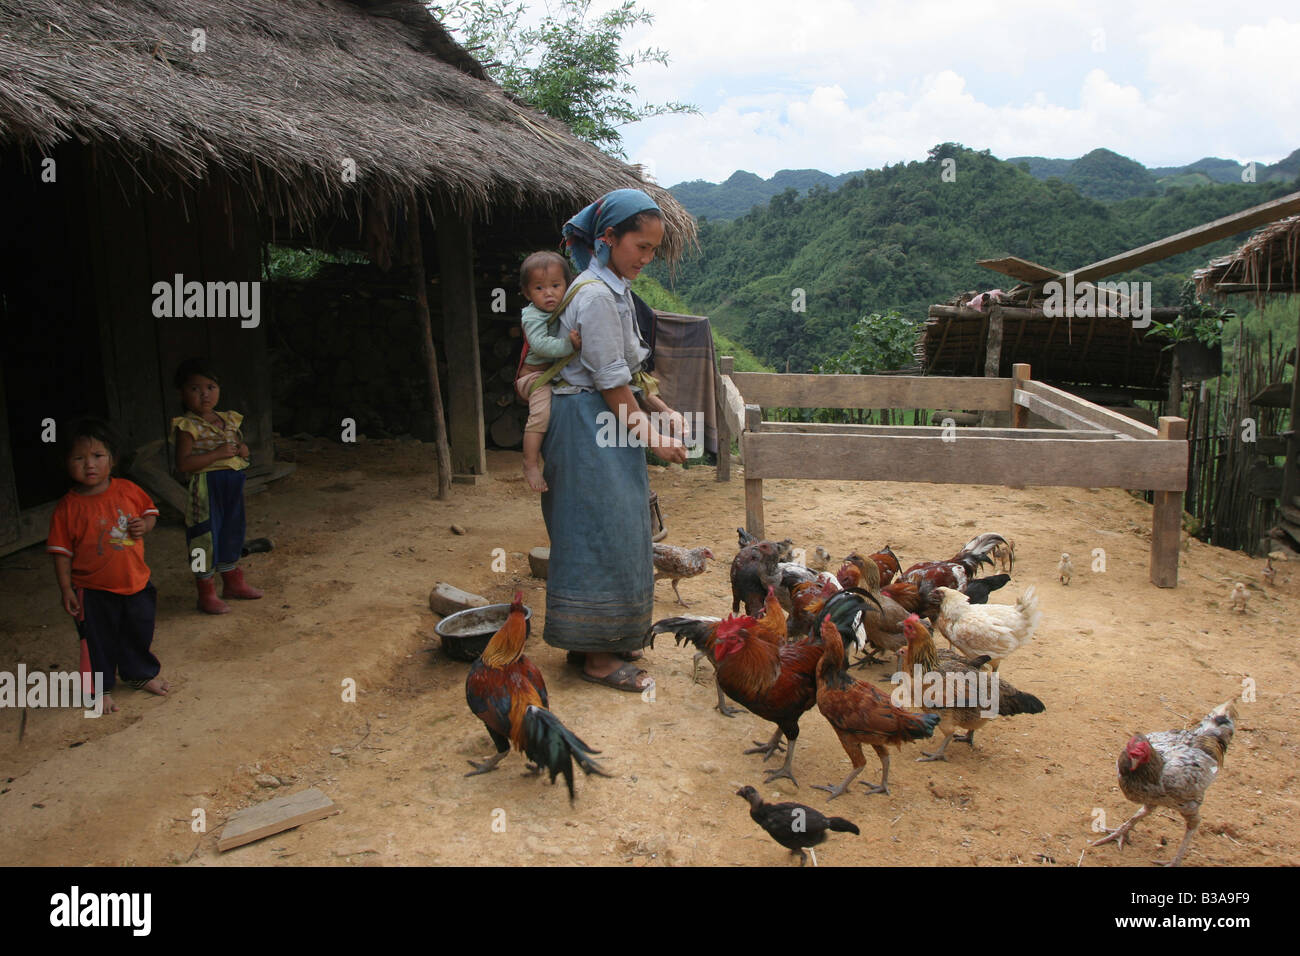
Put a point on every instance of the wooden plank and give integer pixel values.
(1054, 413)
(1160, 465)
(33, 526)
(1091, 433)
(733, 406)
(753, 484)
(465, 426)
(152, 470)
(276, 815)
(1020, 374)
(419, 286)
(1191, 238)
(726, 365)
(1167, 512)
(874, 391)
(1098, 416)
(1018, 268)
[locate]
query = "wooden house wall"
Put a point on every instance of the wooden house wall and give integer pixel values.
(81, 257)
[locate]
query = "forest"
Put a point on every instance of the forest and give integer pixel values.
(801, 279)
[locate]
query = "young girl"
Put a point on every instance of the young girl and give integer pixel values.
(210, 450)
(96, 538)
(544, 278)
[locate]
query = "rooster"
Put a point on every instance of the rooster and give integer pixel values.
(961, 567)
(1173, 769)
(887, 562)
(776, 683)
(677, 563)
(507, 692)
(702, 633)
(992, 629)
(923, 659)
(784, 548)
(793, 825)
(861, 714)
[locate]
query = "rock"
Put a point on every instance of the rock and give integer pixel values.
(709, 767)
(267, 780)
(336, 751)
(457, 529)
(539, 559)
(445, 599)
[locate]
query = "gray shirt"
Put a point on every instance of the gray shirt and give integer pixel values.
(605, 317)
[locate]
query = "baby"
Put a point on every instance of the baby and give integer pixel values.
(544, 278)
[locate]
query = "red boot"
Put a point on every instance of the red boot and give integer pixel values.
(233, 585)
(209, 603)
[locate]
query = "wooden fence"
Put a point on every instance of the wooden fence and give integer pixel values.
(1092, 447)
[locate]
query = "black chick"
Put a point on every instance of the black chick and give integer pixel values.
(978, 590)
(794, 825)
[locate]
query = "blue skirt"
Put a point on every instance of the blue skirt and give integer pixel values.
(600, 580)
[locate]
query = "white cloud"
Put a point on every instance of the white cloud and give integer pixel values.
(838, 86)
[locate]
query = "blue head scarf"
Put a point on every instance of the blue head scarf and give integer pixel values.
(582, 232)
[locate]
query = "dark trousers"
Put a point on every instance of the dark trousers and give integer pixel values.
(118, 629)
(217, 513)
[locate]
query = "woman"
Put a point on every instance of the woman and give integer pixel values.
(600, 581)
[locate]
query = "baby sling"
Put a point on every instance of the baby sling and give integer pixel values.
(558, 364)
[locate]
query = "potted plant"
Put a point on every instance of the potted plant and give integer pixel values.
(1195, 335)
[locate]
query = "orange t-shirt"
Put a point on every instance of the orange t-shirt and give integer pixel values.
(91, 529)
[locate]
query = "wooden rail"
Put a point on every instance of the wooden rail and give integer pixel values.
(1093, 448)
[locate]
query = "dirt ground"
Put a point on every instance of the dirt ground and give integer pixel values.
(359, 544)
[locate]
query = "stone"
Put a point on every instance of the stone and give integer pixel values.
(539, 559)
(447, 599)
(267, 780)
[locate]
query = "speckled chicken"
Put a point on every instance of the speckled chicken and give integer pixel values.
(676, 563)
(1173, 769)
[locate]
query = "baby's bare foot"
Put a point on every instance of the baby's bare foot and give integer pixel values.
(533, 475)
(158, 686)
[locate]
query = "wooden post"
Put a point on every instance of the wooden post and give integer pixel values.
(1167, 517)
(460, 339)
(727, 365)
(1174, 403)
(1019, 414)
(753, 486)
(1291, 467)
(992, 354)
(441, 447)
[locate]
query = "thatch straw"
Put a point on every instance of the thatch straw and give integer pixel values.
(1268, 263)
(285, 91)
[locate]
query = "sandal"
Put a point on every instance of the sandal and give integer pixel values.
(624, 678)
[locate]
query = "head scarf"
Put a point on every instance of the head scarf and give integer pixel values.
(582, 233)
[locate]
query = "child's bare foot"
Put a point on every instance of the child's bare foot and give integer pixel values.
(533, 475)
(157, 686)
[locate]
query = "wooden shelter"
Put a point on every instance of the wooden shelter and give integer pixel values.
(1268, 264)
(1103, 356)
(146, 140)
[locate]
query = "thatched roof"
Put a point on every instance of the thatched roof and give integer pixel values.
(1268, 263)
(283, 94)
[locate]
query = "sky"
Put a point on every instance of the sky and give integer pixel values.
(844, 85)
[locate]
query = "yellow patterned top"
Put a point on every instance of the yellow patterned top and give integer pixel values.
(208, 436)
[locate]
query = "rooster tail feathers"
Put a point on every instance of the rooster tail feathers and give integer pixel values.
(840, 825)
(692, 629)
(551, 745)
(976, 550)
(1012, 702)
(1215, 732)
(918, 726)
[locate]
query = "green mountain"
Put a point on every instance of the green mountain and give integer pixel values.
(907, 236)
(743, 191)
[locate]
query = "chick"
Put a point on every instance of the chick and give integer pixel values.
(820, 560)
(1065, 569)
(1240, 597)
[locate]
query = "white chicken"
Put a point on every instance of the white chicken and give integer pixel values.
(995, 630)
